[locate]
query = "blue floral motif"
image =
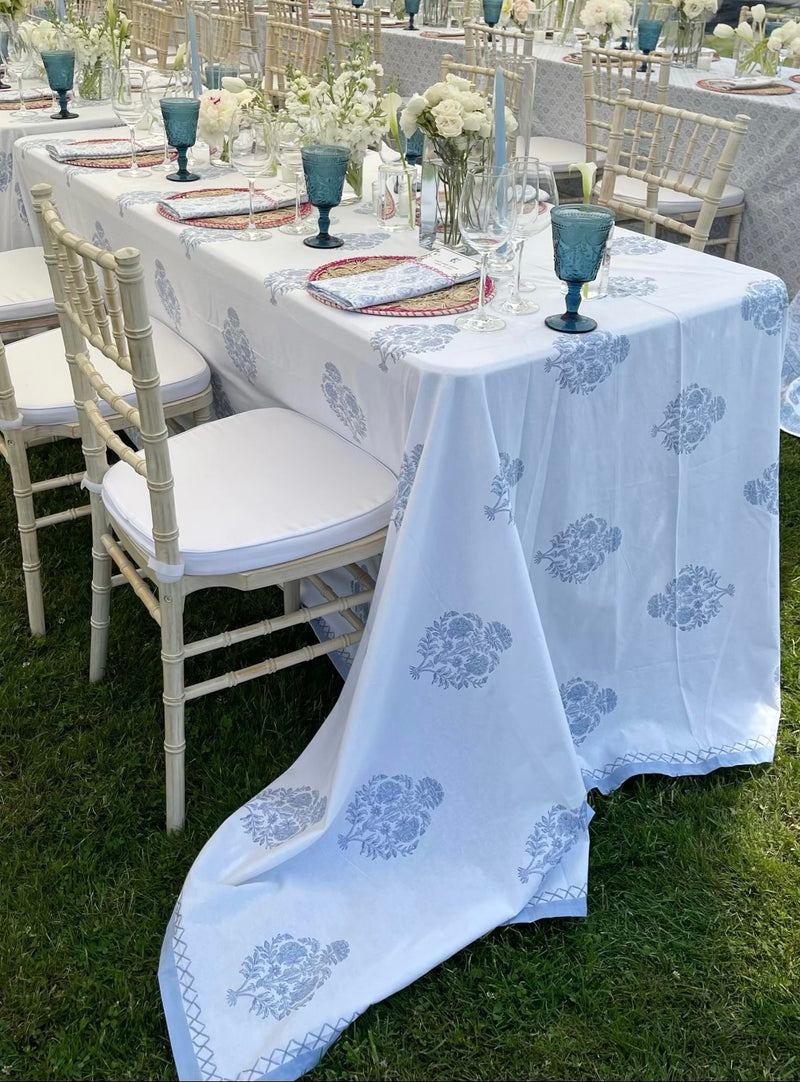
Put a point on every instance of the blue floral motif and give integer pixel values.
(763, 491)
(638, 245)
(196, 235)
(394, 342)
(580, 549)
(626, 285)
(765, 306)
(222, 404)
(691, 600)
(238, 346)
(507, 477)
(21, 211)
(6, 169)
(388, 816)
(408, 471)
(343, 402)
(361, 242)
(282, 975)
(131, 199)
(172, 306)
(585, 702)
(688, 418)
(324, 632)
(99, 237)
(459, 650)
(586, 361)
(285, 281)
(551, 838)
(276, 815)
(76, 171)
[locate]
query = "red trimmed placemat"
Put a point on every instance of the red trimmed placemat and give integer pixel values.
(143, 158)
(264, 219)
(44, 102)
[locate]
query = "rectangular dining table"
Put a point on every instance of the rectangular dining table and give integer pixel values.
(580, 584)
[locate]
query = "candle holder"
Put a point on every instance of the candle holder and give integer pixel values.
(325, 168)
(180, 123)
(60, 68)
(580, 232)
(412, 8)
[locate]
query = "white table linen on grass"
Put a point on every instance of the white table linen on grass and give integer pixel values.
(580, 585)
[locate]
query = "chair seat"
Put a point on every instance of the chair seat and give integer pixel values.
(25, 291)
(258, 489)
(559, 154)
(670, 203)
(43, 387)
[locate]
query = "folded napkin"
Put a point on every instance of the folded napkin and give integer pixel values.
(32, 94)
(112, 148)
(401, 280)
(220, 206)
(754, 82)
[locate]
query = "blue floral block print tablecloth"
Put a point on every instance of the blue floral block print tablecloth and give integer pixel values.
(580, 584)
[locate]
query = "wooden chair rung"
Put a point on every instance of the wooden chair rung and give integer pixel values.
(330, 594)
(131, 574)
(57, 482)
(70, 515)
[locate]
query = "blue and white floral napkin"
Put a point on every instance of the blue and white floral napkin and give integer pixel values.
(401, 280)
(220, 206)
(111, 148)
(32, 94)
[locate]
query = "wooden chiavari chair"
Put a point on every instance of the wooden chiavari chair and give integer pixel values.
(349, 25)
(218, 37)
(289, 11)
(151, 33)
(291, 44)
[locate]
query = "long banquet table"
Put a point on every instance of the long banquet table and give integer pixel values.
(579, 585)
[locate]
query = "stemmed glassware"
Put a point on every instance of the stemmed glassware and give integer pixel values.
(4, 36)
(299, 226)
(250, 145)
(325, 166)
(17, 59)
(60, 67)
(536, 193)
(180, 123)
(491, 11)
(153, 93)
(486, 216)
(648, 31)
(412, 8)
(129, 101)
(580, 232)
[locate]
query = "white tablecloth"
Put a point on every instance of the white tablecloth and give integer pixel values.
(580, 584)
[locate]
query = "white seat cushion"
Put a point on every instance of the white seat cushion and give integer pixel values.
(43, 388)
(25, 291)
(671, 203)
(559, 154)
(256, 489)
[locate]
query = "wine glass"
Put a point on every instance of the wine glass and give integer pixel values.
(299, 226)
(526, 195)
(648, 31)
(491, 11)
(486, 217)
(129, 101)
(250, 145)
(325, 166)
(153, 93)
(17, 58)
(580, 232)
(412, 7)
(180, 123)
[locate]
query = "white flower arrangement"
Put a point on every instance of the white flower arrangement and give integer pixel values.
(761, 50)
(452, 110)
(91, 40)
(695, 9)
(599, 18)
(14, 9)
(516, 12)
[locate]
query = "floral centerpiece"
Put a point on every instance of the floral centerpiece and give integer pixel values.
(11, 11)
(760, 53)
(218, 110)
(343, 109)
(516, 12)
(99, 44)
(687, 40)
(603, 18)
(457, 121)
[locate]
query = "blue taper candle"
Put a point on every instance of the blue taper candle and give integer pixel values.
(499, 119)
(197, 86)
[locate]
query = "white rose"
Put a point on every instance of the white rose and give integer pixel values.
(473, 122)
(458, 83)
(775, 41)
(449, 118)
(511, 122)
(694, 8)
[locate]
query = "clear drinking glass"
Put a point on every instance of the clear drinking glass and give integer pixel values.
(299, 226)
(250, 145)
(17, 59)
(153, 93)
(486, 217)
(525, 189)
(129, 101)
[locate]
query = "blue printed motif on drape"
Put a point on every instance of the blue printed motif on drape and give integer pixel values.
(625, 285)
(282, 975)
(238, 346)
(638, 245)
(99, 237)
(361, 611)
(6, 163)
(459, 650)
(285, 281)
(585, 703)
(172, 306)
(361, 242)
(276, 815)
(395, 342)
(221, 406)
(763, 491)
(580, 549)
(688, 419)
(134, 199)
(196, 235)
(551, 838)
(586, 361)
(408, 471)
(506, 478)
(324, 632)
(343, 402)
(21, 211)
(691, 600)
(389, 815)
(765, 306)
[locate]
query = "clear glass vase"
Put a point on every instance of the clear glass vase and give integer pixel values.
(684, 38)
(435, 12)
(93, 80)
(354, 177)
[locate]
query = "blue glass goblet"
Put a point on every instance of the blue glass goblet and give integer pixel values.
(415, 146)
(580, 232)
(648, 31)
(357, 3)
(325, 167)
(215, 73)
(60, 68)
(412, 7)
(180, 124)
(491, 11)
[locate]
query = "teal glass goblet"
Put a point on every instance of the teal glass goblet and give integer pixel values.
(215, 73)
(180, 123)
(325, 167)
(491, 11)
(60, 68)
(580, 232)
(412, 8)
(3, 54)
(648, 31)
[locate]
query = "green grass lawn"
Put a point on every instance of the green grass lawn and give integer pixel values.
(686, 967)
